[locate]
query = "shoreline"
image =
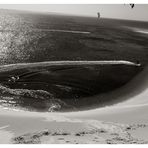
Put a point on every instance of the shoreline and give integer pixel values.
(71, 126)
(104, 62)
(96, 123)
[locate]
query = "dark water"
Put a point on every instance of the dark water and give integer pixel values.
(33, 37)
(48, 87)
(26, 37)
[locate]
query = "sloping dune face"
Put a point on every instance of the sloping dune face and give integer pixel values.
(63, 86)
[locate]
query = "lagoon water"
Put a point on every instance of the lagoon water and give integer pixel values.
(31, 38)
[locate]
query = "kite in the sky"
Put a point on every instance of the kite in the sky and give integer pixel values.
(132, 5)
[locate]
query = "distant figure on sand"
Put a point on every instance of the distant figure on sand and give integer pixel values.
(98, 15)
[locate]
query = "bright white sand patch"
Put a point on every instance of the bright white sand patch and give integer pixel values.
(5, 136)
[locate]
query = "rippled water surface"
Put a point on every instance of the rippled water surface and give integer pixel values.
(34, 37)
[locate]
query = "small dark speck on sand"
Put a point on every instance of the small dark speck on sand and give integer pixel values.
(78, 134)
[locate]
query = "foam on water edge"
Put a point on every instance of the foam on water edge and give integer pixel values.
(110, 62)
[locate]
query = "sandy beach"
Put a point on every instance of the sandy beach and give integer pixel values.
(124, 122)
(111, 125)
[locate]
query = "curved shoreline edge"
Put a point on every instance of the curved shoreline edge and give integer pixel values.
(119, 118)
(112, 62)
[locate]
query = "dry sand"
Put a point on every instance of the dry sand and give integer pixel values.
(114, 126)
(125, 122)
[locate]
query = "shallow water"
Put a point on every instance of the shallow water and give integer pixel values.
(30, 38)
(62, 86)
(34, 37)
